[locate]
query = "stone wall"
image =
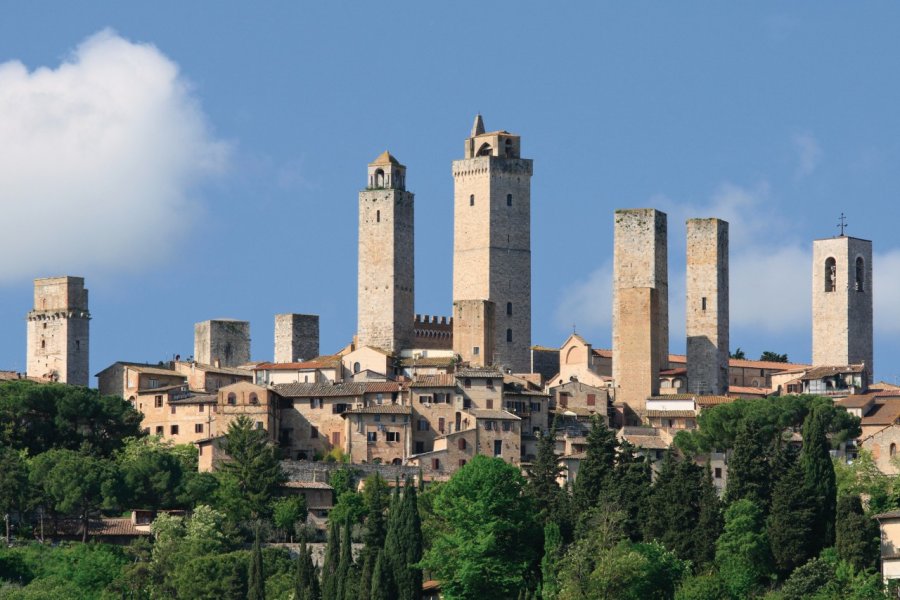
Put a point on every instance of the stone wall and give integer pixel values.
(636, 360)
(706, 309)
(473, 331)
(296, 337)
(224, 340)
(842, 302)
(432, 333)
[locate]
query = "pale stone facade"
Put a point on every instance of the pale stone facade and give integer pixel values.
(640, 260)
(492, 239)
(177, 415)
(296, 337)
(386, 288)
(126, 380)
(209, 378)
(635, 347)
(842, 302)
(58, 331)
(473, 331)
(707, 306)
(222, 342)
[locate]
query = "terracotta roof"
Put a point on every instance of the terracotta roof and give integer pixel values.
(330, 363)
(861, 400)
(487, 373)
(713, 400)
(196, 399)
(440, 380)
(143, 368)
(487, 413)
(884, 412)
(161, 390)
(320, 390)
(215, 369)
(678, 371)
(741, 389)
(307, 485)
(385, 158)
(381, 409)
(651, 442)
(432, 361)
(576, 411)
(820, 372)
(671, 413)
(432, 585)
(379, 387)
(574, 456)
(894, 514)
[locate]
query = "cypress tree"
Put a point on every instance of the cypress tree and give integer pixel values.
(407, 577)
(256, 585)
(306, 575)
(375, 531)
(345, 563)
(818, 476)
(629, 489)
(594, 471)
(709, 521)
(379, 574)
(857, 537)
(332, 559)
(553, 551)
(791, 522)
(543, 478)
(749, 471)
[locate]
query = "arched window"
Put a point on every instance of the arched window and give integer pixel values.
(484, 150)
(860, 274)
(461, 443)
(467, 383)
(43, 343)
(509, 308)
(830, 274)
(232, 399)
(378, 216)
(472, 200)
(379, 178)
(356, 367)
(254, 400)
(509, 199)
(893, 450)
(509, 335)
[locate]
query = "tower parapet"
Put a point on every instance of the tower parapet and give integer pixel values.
(58, 331)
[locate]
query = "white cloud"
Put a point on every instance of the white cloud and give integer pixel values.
(809, 154)
(886, 287)
(587, 304)
(99, 158)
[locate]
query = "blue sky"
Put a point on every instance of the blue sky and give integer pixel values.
(195, 161)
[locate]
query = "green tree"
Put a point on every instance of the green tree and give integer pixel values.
(553, 553)
(153, 478)
(251, 474)
(543, 478)
(256, 589)
(375, 497)
(13, 481)
(769, 356)
(378, 579)
(706, 586)
(332, 559)
(73, 483)
(345, 566)
(749, 469)
(629, 489)
(857, 536)
(709, 521)
(597, 466)
(307, 580)
(739, 354)
(287, 512)
(488, 539)
(403, 545)
(818, 476)
(791, 522)
(742, 551)
(828, 578)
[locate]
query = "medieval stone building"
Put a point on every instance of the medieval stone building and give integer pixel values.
(58, 331)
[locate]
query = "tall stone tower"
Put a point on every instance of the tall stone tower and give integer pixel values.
(492, 241)
(842, 302)
(296, 337)
(58, 331)
(225, 342)
(640, 262)
(386, 288)
(707, 306)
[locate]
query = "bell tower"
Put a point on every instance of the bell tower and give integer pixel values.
(385, 298)
(492, 243)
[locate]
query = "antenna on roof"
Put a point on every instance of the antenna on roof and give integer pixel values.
(842, 224)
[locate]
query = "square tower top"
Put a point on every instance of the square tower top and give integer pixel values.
(501, 144)
(60, 293)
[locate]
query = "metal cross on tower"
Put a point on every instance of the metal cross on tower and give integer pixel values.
(842, 224)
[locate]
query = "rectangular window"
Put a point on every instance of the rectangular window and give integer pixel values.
(718, 472)
(420, 447)
(335, 438)
(703, 303)
(435, 464)
(372, 437)
(489, 384)
(313, 432)
(423, 399)
(475, 350)
(259, 424)
(489, 425)
(198, 428)
(153, 383)
(172, 409)
(462, 462)
(392, 436)
(159, 430)
(535, 407)
(591, 399)
(378, 418)
(507, 425)
(498, 447)
(423, 425)
(157, 401)
(201, 408)
(173, 430)
(563, 399)
(441, 424)
(489, 403)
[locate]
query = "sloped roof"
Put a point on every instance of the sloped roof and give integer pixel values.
(441, 380)
(487, 413)
(382, 387)
(385, 158)
(820, 372)
(381, 409)
(671, 413)
(307, 485)
(320, 390)
(486, 373)
(430, 361)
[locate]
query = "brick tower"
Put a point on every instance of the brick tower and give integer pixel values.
(842, 302)
(225, 342)
(386, 290)
(58, 331)
(492, 242)
(706, 310)
(640, 263)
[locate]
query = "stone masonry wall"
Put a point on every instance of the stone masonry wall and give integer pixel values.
(473, 327)
(58, 331)
(223, 340)
(296, 337)
(636, 355)
(706, 308)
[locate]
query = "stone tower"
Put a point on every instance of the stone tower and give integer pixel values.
(842, 302)
(492, 241)
(473, 331)
(386, 290)
(58, 331)
(296, 337)
(639, 263)
(225, 342)
(706, 310)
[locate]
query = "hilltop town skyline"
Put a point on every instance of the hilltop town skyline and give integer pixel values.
(266, 223)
